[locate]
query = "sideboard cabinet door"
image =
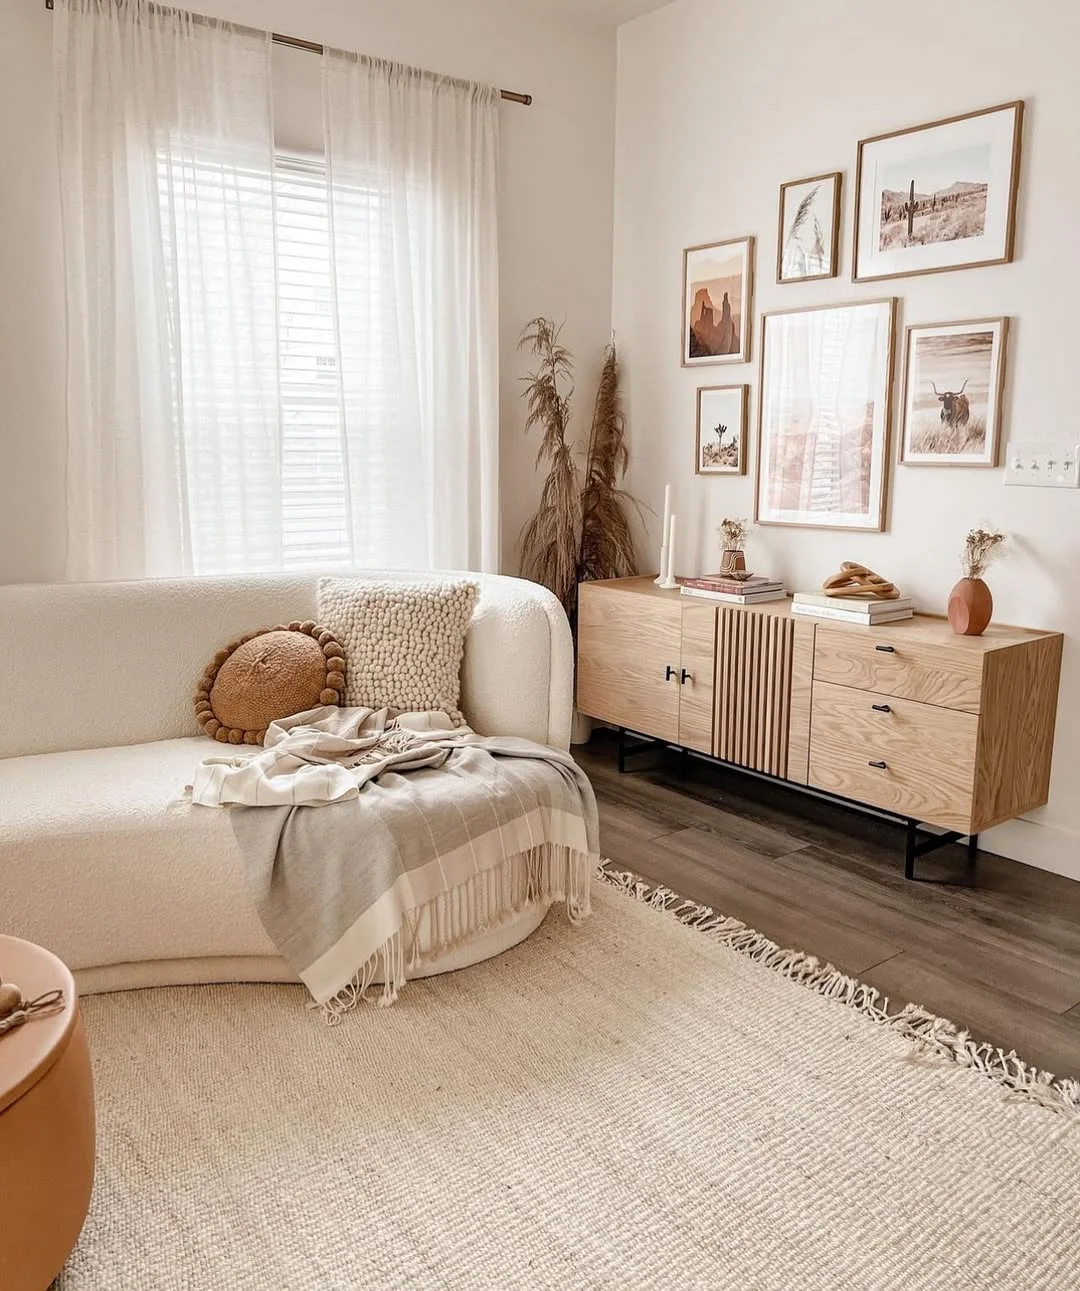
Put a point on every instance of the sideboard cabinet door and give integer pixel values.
(629, 658)
(697, 674)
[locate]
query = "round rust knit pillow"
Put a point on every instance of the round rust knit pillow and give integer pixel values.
(267, 675)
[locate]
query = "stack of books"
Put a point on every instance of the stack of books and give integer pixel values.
(851, 609)
(719, 587)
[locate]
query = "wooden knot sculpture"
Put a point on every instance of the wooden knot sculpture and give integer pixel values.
(857, 580)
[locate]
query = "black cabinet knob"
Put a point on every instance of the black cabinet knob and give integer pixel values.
(881, 766)
(685, 677)
(881, 708)
(670, 673)
(886, 649)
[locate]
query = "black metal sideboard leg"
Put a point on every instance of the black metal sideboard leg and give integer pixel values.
(910, 849)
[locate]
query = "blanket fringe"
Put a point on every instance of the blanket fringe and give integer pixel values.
(934, 1038)
(543, 874)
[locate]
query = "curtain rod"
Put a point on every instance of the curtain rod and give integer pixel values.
(313, 47)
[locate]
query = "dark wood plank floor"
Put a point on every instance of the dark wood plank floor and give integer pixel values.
(997, 950)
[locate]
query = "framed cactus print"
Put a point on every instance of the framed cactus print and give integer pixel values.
(939, 196)
(721, 430)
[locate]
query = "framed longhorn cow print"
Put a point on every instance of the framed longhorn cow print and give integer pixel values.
(721, 430)
(954, 376)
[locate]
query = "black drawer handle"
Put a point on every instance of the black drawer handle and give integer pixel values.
(881, 708)
(670, 673)
(886, 649)
(881, 766)
(685, 677)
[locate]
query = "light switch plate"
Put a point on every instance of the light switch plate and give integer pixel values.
(1042, 462)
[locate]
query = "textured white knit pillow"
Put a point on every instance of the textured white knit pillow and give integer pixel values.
(404, 642)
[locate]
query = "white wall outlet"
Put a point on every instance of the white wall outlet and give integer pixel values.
(1043, 463)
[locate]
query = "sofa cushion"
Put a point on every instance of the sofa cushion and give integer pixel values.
(102, 860)
(404, 641)
(268, 675)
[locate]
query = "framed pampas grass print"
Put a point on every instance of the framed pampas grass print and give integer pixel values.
(954, 377)
(808, 236)
(824, 416)
(718, 291)
(721, 430)
(939, 196)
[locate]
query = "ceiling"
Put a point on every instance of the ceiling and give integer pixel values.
(606, 12)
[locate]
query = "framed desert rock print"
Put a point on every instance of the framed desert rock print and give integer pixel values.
(939, 196)
(721, 430)
(824, 416)
(808, 235)
(718, 316)
(953, 379)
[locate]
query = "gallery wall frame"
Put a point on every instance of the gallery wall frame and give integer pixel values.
(703, 260)
(831, 202)
(881, 314)
(969, 223)
(971, 346)
(732, 404)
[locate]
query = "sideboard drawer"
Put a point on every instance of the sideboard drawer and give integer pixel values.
(928, 754)
(899, 663)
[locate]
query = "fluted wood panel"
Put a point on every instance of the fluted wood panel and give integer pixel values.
(753, 689)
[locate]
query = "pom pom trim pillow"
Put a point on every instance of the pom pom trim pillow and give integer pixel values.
(267, 675)
(404, 641)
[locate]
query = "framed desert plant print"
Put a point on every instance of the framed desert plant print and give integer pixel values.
(808, 236)
(939, 196)
(953, 379)
(824, 416)
(718, 317)
(721, 430)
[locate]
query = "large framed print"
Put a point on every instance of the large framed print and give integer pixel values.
(718, 291)
(953, 380)
(824, 416)
(939, 196)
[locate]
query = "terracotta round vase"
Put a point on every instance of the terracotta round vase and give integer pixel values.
(970, 607)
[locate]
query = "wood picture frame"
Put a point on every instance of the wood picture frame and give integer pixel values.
(960, 427)
(818, 245)
(852, 361)
(722, 405)
(967, 221)
(718, 331)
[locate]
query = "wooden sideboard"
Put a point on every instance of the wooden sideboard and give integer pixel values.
(905, 718)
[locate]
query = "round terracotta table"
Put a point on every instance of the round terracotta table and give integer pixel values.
(46, 1125)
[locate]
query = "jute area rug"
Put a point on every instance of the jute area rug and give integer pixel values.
(635, 1103)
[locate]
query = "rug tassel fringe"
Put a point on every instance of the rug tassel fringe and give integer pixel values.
(934, 1038)
(547, 873)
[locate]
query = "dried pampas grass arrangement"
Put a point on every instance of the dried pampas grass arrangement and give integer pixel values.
(549, 542)
(580, 531)
(607, 546)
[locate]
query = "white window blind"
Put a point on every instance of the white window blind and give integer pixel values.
(307, 516)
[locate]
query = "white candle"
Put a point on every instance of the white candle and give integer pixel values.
(668, 573)
(664, 542)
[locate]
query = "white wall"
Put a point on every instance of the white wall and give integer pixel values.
(555, 238)
(719, 102)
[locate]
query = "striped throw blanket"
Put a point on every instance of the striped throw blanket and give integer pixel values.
(369, 833)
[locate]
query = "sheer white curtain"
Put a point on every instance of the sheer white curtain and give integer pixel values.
(411, 163)
(173, 408)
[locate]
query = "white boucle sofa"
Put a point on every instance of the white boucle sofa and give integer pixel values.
(101, 859)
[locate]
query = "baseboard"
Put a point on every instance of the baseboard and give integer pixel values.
(1046, 847)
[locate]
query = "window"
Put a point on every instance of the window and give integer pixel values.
(226, 222)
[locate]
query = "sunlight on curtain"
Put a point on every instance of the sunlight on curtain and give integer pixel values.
(173, 410)
(414, 240)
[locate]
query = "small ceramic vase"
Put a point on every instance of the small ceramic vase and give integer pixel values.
(970, 607)
(733, 563)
